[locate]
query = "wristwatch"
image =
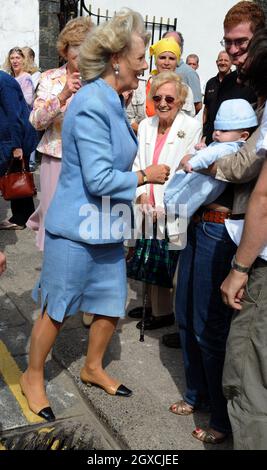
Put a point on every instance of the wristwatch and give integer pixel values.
(239, 267)
(144, 177)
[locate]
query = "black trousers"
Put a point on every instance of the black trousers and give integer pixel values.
(21, 210)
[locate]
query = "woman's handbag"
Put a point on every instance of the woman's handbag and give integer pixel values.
(17, 184)
(153, 262)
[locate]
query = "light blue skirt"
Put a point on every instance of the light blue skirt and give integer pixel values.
(78, 276)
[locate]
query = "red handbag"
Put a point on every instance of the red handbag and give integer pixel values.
(18, 184)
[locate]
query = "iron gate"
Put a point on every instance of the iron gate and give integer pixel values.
(72, 8)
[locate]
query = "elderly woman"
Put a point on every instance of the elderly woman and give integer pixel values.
(84, 263)
(166, 54)
(55, 91)
(163, 138)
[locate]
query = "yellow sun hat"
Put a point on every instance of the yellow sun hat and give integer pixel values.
(165, 45)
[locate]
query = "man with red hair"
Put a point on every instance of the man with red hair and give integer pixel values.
(240, 24)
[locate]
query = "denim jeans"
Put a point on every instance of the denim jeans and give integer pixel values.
(203, 319)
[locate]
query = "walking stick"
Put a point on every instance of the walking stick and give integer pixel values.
(142, 329)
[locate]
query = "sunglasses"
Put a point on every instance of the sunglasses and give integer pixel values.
(167, 98)
(16, 49)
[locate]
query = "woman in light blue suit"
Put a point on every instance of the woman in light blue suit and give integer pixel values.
(84, 265)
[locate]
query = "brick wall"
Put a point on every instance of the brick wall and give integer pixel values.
(19, 26)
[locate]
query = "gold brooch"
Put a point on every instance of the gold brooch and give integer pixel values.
(181, 134)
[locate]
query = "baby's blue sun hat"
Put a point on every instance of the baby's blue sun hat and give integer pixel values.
(235, 114)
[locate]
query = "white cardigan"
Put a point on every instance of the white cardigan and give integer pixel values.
(184, 133)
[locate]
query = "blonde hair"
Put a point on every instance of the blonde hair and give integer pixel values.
(113, 37)
(73, 34)
(169, 77)
(7, 64)
(29, 55)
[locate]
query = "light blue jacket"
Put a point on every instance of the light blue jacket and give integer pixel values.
(99, 148)
(208, 155)
(195, 189)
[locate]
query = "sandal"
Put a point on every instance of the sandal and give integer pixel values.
(208, 436)
(87, 319)
(7, 225)
(182, 408)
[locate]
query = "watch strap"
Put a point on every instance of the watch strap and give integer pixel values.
(239, 267)
(144, 176)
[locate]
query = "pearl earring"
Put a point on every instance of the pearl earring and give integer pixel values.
(116, 69)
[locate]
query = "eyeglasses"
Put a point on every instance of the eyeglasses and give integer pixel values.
(241, 43)
(167, 98)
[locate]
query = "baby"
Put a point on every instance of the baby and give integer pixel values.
(234, 123)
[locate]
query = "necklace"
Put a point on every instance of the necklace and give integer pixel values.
(163, 130)
(163, 127)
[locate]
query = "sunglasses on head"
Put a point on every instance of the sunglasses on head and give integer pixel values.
(167, 98)
(16, 49)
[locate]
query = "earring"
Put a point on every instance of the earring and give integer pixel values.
(116, 69)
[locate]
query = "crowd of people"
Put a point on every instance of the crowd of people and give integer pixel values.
(107, 133)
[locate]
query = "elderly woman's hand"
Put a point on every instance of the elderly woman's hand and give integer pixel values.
(144, 202)
(142, 199)
(147, 208)
(157, 174)
(72, 85)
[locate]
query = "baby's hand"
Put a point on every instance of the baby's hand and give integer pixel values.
(188, 168)
(183, 162)
(200, 146)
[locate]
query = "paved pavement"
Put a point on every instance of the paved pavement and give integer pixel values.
(152, 371)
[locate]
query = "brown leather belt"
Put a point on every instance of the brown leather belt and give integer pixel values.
(217, 217)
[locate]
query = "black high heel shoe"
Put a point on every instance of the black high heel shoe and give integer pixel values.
(119, 390)
(45, 413)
